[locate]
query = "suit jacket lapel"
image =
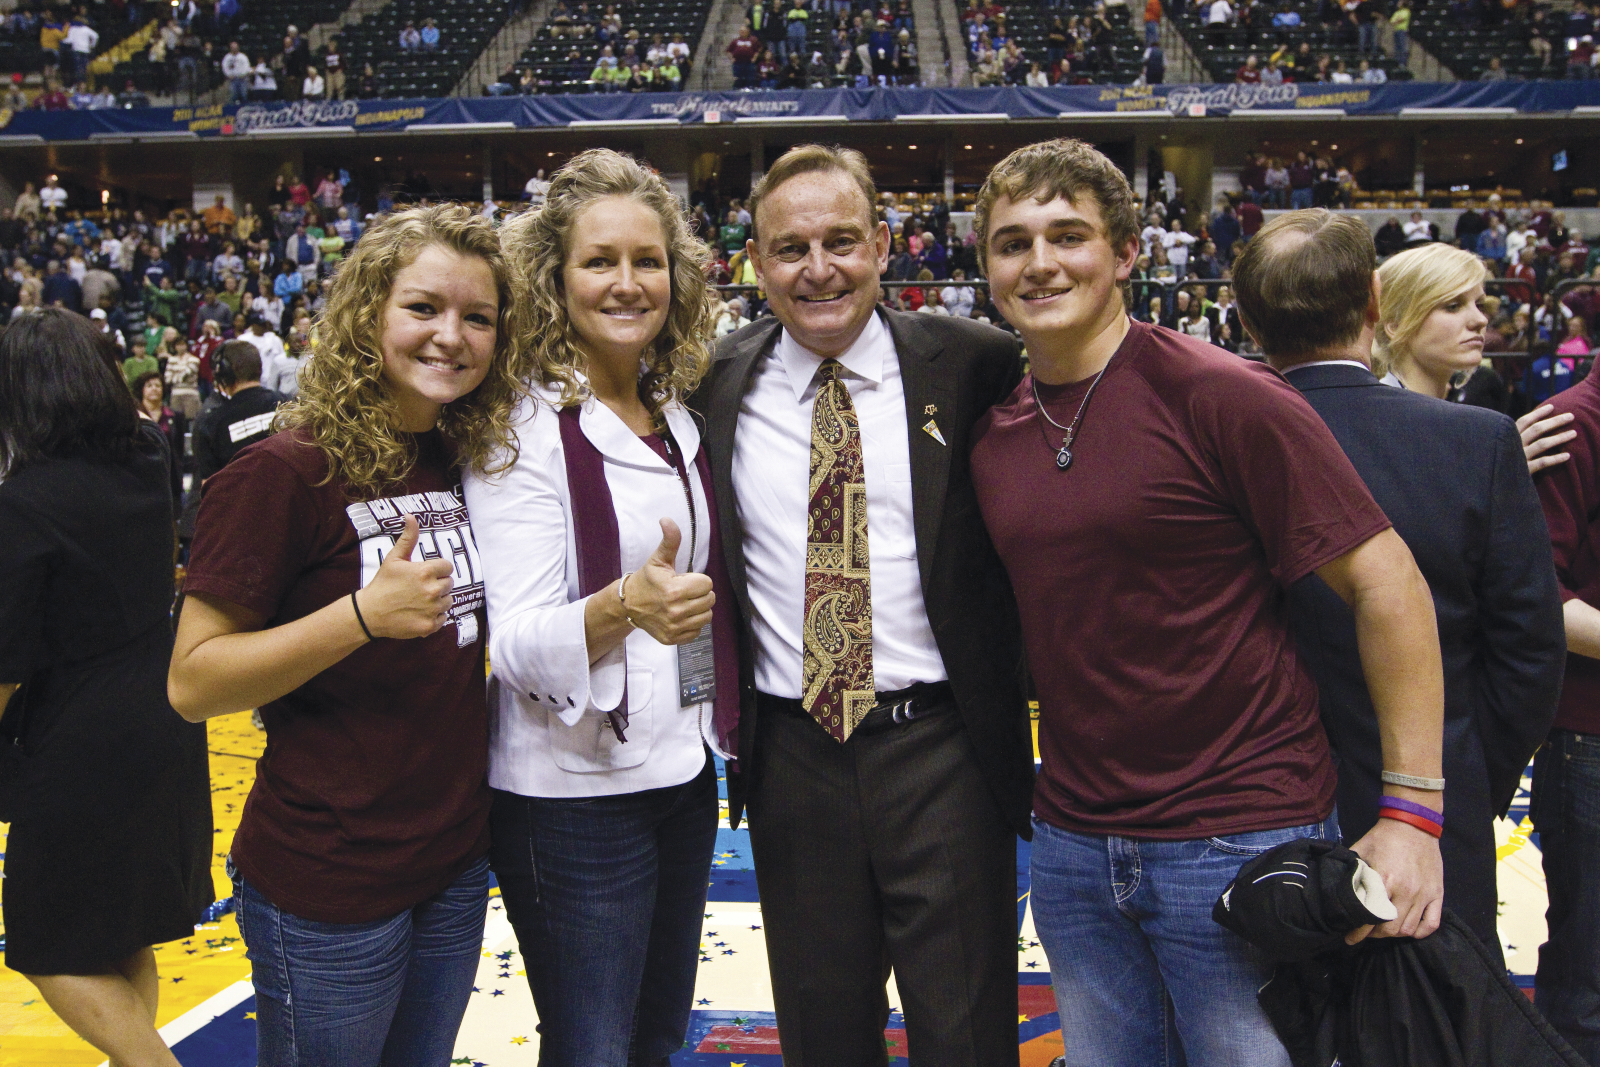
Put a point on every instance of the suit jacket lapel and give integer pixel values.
(927, 386)
(722, 423)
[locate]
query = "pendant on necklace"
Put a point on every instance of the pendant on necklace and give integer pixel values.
(1063, 457)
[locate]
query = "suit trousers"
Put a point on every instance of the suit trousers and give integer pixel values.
(887, 851)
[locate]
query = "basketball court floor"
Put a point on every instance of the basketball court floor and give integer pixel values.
(207, 1006)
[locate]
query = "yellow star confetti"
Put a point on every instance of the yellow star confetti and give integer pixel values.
(519, 1040)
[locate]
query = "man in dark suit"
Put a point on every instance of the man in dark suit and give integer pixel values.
(1454, 481)
(885, 758)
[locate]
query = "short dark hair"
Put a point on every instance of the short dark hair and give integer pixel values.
(1304, 281)
(237, 361)
(60, 395)
(136, 387)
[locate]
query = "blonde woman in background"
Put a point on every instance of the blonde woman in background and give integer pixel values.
(601, 558)
(1431, 328)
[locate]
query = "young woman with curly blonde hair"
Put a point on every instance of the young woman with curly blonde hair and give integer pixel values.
(609, 619)
(334, 584)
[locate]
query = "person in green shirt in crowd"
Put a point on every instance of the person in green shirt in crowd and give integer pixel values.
(668, 76)
(230, 294)
(332, 246)
(165, 302)
(733, 234)
(139, 362)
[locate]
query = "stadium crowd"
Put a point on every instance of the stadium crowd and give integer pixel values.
(478, 444)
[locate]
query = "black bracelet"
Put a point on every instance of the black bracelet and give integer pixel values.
(356, 604)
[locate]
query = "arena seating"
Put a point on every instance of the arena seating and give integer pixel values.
(1467, 49)
(548, 55)
(19, 38)
(1223, 53)
(1029, 22)
(465, 28)
(259, 29)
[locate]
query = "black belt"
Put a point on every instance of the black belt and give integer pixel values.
(892, 709)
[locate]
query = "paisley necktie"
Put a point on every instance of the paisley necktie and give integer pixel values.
(837, 664)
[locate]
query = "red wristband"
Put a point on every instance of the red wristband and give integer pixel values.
(1427, 826)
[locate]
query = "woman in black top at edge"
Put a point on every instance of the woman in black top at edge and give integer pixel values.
(106, 787)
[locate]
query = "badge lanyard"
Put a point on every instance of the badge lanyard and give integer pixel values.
(697, 673)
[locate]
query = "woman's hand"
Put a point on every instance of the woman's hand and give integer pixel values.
(672, 608)
(1539, 435)
(407, 599)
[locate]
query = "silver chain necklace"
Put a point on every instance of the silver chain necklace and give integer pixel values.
(1064, 456)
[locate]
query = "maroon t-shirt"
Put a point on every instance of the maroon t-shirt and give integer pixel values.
(1570, 493)
(372, 794)
(1150, 577)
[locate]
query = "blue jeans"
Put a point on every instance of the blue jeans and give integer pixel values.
(1299, 198)
(1402, 47)
(606, 895)
(1143, 976)
(1566, 812)
(390, 992)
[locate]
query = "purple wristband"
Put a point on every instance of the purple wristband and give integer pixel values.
(1401, 804)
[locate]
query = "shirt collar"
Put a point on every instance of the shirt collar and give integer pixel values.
(1328, 363)
(863, 359)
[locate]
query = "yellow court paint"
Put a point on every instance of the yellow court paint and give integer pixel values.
(191, 970)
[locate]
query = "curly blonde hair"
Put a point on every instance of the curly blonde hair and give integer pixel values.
(536, 246)
(344, 402)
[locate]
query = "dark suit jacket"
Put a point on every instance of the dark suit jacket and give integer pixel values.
(1454, 482)
(964, 368)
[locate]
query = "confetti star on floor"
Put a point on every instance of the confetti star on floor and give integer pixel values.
(497, 993)
(705, 959)
(519, 1040)
(1022, 1018)
(755, 928)
(1033, 963)
(727, 952)
(702, 1000)
(178, 979)
(476, 989)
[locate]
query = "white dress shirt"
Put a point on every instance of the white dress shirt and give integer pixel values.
(548, 733)
(771, 475)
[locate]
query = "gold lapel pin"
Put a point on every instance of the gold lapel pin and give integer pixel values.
(931, 428)
(931, 409)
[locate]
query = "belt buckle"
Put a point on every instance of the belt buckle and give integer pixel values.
(903, 712)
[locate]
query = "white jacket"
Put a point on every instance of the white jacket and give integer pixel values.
(548, 735)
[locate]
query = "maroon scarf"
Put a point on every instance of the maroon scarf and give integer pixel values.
(594, 527)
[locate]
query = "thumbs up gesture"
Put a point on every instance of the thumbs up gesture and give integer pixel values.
(407, 599)
(672, 608)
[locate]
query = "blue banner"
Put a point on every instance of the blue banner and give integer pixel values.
(821, 106)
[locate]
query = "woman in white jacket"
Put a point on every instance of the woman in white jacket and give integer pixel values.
(612, 681)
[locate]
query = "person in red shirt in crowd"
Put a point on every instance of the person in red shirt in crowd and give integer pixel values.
(1566, 771)
(334, 584)
(1249, 73)
(1189, 490)
(1524, 273)
(744, 49)
(1250, 219)
(52, 99)
(299, 192)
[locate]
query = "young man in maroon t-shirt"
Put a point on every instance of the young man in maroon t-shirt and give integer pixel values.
(1566, 772)
(1152, 497)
